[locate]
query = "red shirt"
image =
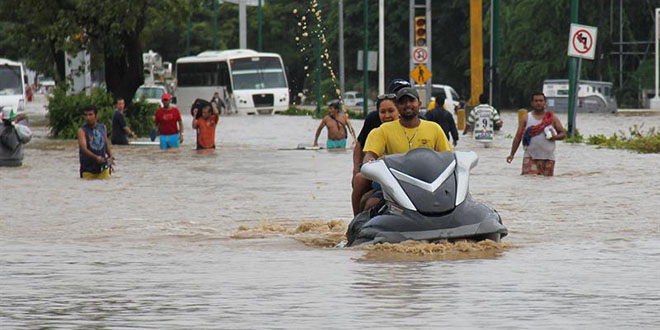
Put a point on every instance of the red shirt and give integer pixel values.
(206, 131)
(167, 119)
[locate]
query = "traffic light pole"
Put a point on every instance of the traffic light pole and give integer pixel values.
(572, 81)
(365, 60)
(429, 45)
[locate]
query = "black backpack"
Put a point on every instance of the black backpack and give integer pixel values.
(9, 137)
(199, 104)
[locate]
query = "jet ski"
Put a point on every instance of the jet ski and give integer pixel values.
(426, 198)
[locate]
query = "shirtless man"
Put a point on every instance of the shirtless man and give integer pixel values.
(336, 123)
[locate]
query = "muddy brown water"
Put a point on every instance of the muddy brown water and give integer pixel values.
(240, 239)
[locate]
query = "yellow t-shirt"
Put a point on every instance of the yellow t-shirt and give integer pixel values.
(393, 138)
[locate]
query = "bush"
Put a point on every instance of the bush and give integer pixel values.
(65, 113)
(295, 111)
(636, 140)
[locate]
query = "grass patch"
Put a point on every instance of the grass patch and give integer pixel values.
(636, 140)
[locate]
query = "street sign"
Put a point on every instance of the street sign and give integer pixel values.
(582, 41)
(372, 60)
(420, 55)
(420, 74)
(247, 2)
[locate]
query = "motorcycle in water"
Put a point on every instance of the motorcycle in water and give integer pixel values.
(426, 198)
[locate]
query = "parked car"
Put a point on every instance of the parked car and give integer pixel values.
(150, 93)
(354, 99)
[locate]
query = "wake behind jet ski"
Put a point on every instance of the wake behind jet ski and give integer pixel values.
(426, 198)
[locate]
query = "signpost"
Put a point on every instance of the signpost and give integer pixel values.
(655, 102)
(581, 44)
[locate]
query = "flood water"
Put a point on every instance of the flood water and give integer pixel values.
(241, 239)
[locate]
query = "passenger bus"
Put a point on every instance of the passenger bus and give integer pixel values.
(593, 96)
(249, 82)
(12, 85)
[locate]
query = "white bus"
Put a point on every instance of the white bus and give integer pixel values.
(12, 85)
(593, 96)
(250, 82)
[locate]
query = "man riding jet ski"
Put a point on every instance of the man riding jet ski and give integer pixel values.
(426, 198)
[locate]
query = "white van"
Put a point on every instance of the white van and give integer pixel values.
(12, 85)
(448, 93)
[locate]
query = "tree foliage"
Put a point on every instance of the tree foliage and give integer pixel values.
(532, 45)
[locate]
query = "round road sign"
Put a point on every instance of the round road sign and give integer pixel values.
(582, 41)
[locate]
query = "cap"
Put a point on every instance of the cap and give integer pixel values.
(397, 84)
(407, 91)
(166, 96)
(8, 113)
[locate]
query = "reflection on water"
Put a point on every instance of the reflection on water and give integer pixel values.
(240, 239)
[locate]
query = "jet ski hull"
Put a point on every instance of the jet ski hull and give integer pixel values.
(469, 220)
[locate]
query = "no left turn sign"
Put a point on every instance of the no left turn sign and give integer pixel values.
(420, 55)
(582, 41)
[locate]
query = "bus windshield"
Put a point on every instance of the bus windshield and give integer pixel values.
(257, 73)
(10, 80)
(149, 92)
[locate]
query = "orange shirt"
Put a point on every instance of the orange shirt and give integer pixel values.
(206, 131)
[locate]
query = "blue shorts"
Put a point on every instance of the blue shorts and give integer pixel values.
(169, 141)
(331, 144)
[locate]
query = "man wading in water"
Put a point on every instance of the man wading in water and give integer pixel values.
(336, 123)
(538, 133)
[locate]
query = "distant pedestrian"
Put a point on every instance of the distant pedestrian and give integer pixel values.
(482, 121)
(217, 104)
(12, 138)
(338, 126)
(538, 132)
(168, 124)
(95, 156)
(444, 118)
(120, 131)
(205, 126)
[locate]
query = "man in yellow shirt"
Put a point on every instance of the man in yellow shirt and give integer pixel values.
(408, 133)
(401, 136)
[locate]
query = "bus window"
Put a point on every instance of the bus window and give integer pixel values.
(257, 73)
(10, 80)
(198, 74)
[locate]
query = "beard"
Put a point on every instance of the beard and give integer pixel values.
(407, 116)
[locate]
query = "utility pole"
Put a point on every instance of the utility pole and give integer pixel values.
(476, 52)
(572, 76)
(259, 19)
(365, 59)
(381, 47)
(215, 24)
(342, 87)
(242, 25)
(655, 102)
(494, 89)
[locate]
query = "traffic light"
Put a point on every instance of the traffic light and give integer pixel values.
(420, 31)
